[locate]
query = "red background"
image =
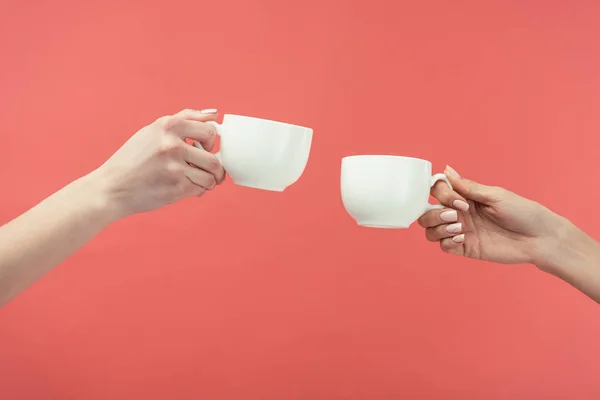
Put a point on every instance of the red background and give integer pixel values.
(245, 294)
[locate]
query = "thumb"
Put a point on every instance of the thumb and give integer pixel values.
(469, 189)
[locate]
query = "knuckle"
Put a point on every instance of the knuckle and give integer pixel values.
(220, 177)
(214, 163)
(171, 147)
(430, 235)
(170, 122)
(211, 133)
(211, 182)
(175, 169)
(166, 146)
(468, 191)
(164, 121)
(446, 245)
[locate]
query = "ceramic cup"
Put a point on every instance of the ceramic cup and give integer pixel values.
(260, 153)
(386, 191)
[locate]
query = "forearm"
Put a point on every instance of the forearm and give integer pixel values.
(574, 257)
(36, 241)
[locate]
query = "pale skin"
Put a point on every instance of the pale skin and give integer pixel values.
(493, 224)
(155, 167)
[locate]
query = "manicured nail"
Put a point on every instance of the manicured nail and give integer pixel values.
(452, 171)
(454, 228)
(459, 238)
(449, 216)
(209, 111)
(461, 205)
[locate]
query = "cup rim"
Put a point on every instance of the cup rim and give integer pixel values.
(267, 120)
(388, 156)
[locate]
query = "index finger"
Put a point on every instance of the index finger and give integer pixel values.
(448, 197)
(209, 114)
(195, 130)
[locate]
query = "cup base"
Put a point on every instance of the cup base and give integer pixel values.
(260, 187)
(367, 224)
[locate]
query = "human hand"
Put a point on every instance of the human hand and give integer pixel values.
(156, 166)
(493, 224)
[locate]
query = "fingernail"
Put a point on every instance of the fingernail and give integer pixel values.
(461, 205)
(449, 216)
(459, 238)
(452, 171)
(209, 111)
(454, 228)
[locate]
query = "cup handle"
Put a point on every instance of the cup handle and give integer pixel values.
(434, 179)
(218, 129)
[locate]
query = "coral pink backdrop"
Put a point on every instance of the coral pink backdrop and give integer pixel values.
(245, 294)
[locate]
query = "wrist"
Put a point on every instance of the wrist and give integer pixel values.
(564, 245)
(96, 193)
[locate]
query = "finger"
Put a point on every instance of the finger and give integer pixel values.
(440, 232)
(191, 189)
(200, 177)
(472, 190)
(209, 114)
(438, 217)
(198, 131)
(453, 245)
(449, 197)
(206, 161)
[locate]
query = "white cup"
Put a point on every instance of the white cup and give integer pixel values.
(262, 154)
(384, 191)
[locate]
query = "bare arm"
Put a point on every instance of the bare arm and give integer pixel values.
(41, 238)
(497, 225)
(574, 257)
(153, 168)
